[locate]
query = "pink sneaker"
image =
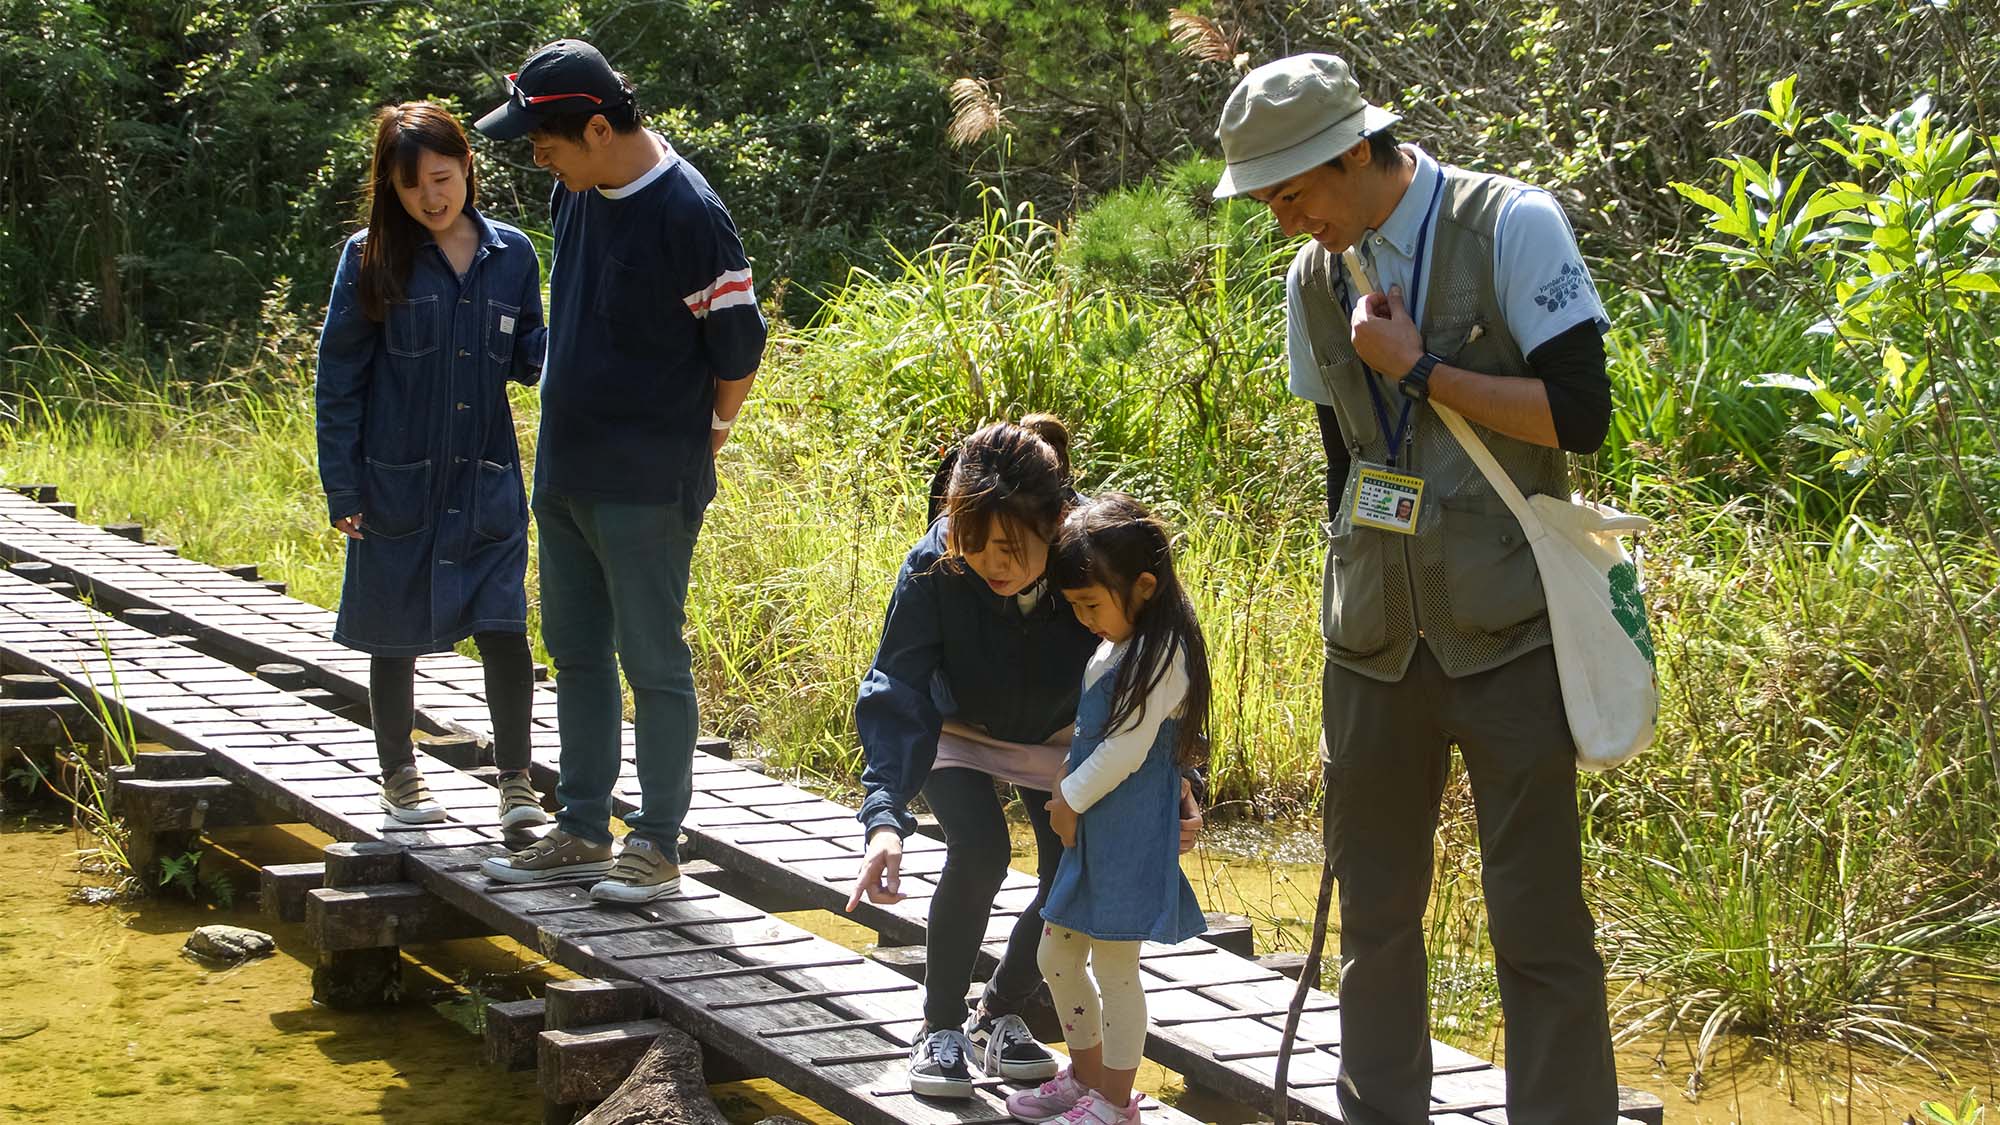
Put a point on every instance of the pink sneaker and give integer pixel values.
(1095, 1109)
(1048, 1101)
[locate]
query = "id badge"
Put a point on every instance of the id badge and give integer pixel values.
(1382, 498)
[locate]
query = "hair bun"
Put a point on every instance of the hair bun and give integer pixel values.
(1052, 431)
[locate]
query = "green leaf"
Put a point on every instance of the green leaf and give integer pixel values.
(1826, 201)
(1704, 198)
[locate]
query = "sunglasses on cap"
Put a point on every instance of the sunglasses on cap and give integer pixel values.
(526, 100)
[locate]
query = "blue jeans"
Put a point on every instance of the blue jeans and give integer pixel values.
(614, 584)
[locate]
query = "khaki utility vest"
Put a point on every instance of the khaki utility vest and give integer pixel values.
(1466, 582)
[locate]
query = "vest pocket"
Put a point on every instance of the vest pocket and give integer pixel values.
(1490, 572)
(396, 499)
(412, 327)
(1351, 594)
(1447, 336)
(496, 501)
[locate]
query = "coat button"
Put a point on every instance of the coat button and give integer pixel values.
(451, 511)
(461, 406)
(465, 300)
(458, 460)
(462, 353)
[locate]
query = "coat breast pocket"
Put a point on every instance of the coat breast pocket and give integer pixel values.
(503, 325)
(1490, 570)
(625, 293)
(412, 328)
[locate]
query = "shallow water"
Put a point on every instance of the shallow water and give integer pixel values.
(103, 1020)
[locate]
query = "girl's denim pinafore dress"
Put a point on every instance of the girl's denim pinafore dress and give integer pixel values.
(1122, 881)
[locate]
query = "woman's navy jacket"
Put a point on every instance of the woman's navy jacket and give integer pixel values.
(415, 433)
(953, 649)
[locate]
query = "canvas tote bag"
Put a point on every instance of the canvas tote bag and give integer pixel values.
(1597, 611)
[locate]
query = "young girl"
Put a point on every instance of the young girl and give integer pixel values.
(434, 309)
(1143, 714)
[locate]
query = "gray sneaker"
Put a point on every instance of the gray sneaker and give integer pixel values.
(520, 805)
(557, 855)
(940, 1066)
(408, 799)
(1003, 1047)
(643, 873)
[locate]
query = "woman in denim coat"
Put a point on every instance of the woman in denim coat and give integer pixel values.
(434, 309)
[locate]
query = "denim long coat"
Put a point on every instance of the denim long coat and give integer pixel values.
(415, 433)
(1122, 881)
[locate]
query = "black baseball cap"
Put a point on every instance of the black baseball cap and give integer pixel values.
(567, 76)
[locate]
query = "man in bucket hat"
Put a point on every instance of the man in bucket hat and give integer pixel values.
(654, 337)
(1432, 609)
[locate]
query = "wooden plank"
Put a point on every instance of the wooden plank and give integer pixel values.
(730, 960)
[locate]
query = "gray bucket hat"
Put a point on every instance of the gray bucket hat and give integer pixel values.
(1289, 115)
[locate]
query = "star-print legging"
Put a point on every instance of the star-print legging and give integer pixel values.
(1118, 1020)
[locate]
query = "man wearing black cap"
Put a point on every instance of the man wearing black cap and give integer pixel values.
(654, 337)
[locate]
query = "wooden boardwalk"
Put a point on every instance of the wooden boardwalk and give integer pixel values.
(816, 1017)
(1216, 1017)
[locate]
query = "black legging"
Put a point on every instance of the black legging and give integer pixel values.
(510, 696)
(977, 847)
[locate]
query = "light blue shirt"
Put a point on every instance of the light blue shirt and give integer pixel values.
(1543, 287)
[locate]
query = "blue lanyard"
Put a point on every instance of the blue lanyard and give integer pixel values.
(1402, 429)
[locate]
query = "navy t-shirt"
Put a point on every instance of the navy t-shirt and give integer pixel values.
(650, 302)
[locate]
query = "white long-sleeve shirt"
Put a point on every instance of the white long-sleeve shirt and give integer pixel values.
(1123, 751)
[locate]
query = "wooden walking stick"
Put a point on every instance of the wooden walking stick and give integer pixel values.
(1308, 976)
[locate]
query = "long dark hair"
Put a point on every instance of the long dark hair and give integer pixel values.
(1110, 541)
(1015, 474)
(403, 133)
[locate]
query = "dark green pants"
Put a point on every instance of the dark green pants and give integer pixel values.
(1386, 764)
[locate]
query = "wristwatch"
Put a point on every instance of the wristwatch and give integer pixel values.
(1417, 384)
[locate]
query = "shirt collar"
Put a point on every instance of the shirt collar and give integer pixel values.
(1402, 225)
(667, 158)
(489, 237)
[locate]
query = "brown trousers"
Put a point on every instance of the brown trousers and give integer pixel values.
(1386, 764)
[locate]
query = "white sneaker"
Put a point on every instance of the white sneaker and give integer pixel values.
(643, 873)
(558, 855)
(520, 805)
(408, 799)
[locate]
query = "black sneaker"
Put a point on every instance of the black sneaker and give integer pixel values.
(939, 1067)
(1007, 1049)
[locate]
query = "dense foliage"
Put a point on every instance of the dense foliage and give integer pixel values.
(165, 166)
